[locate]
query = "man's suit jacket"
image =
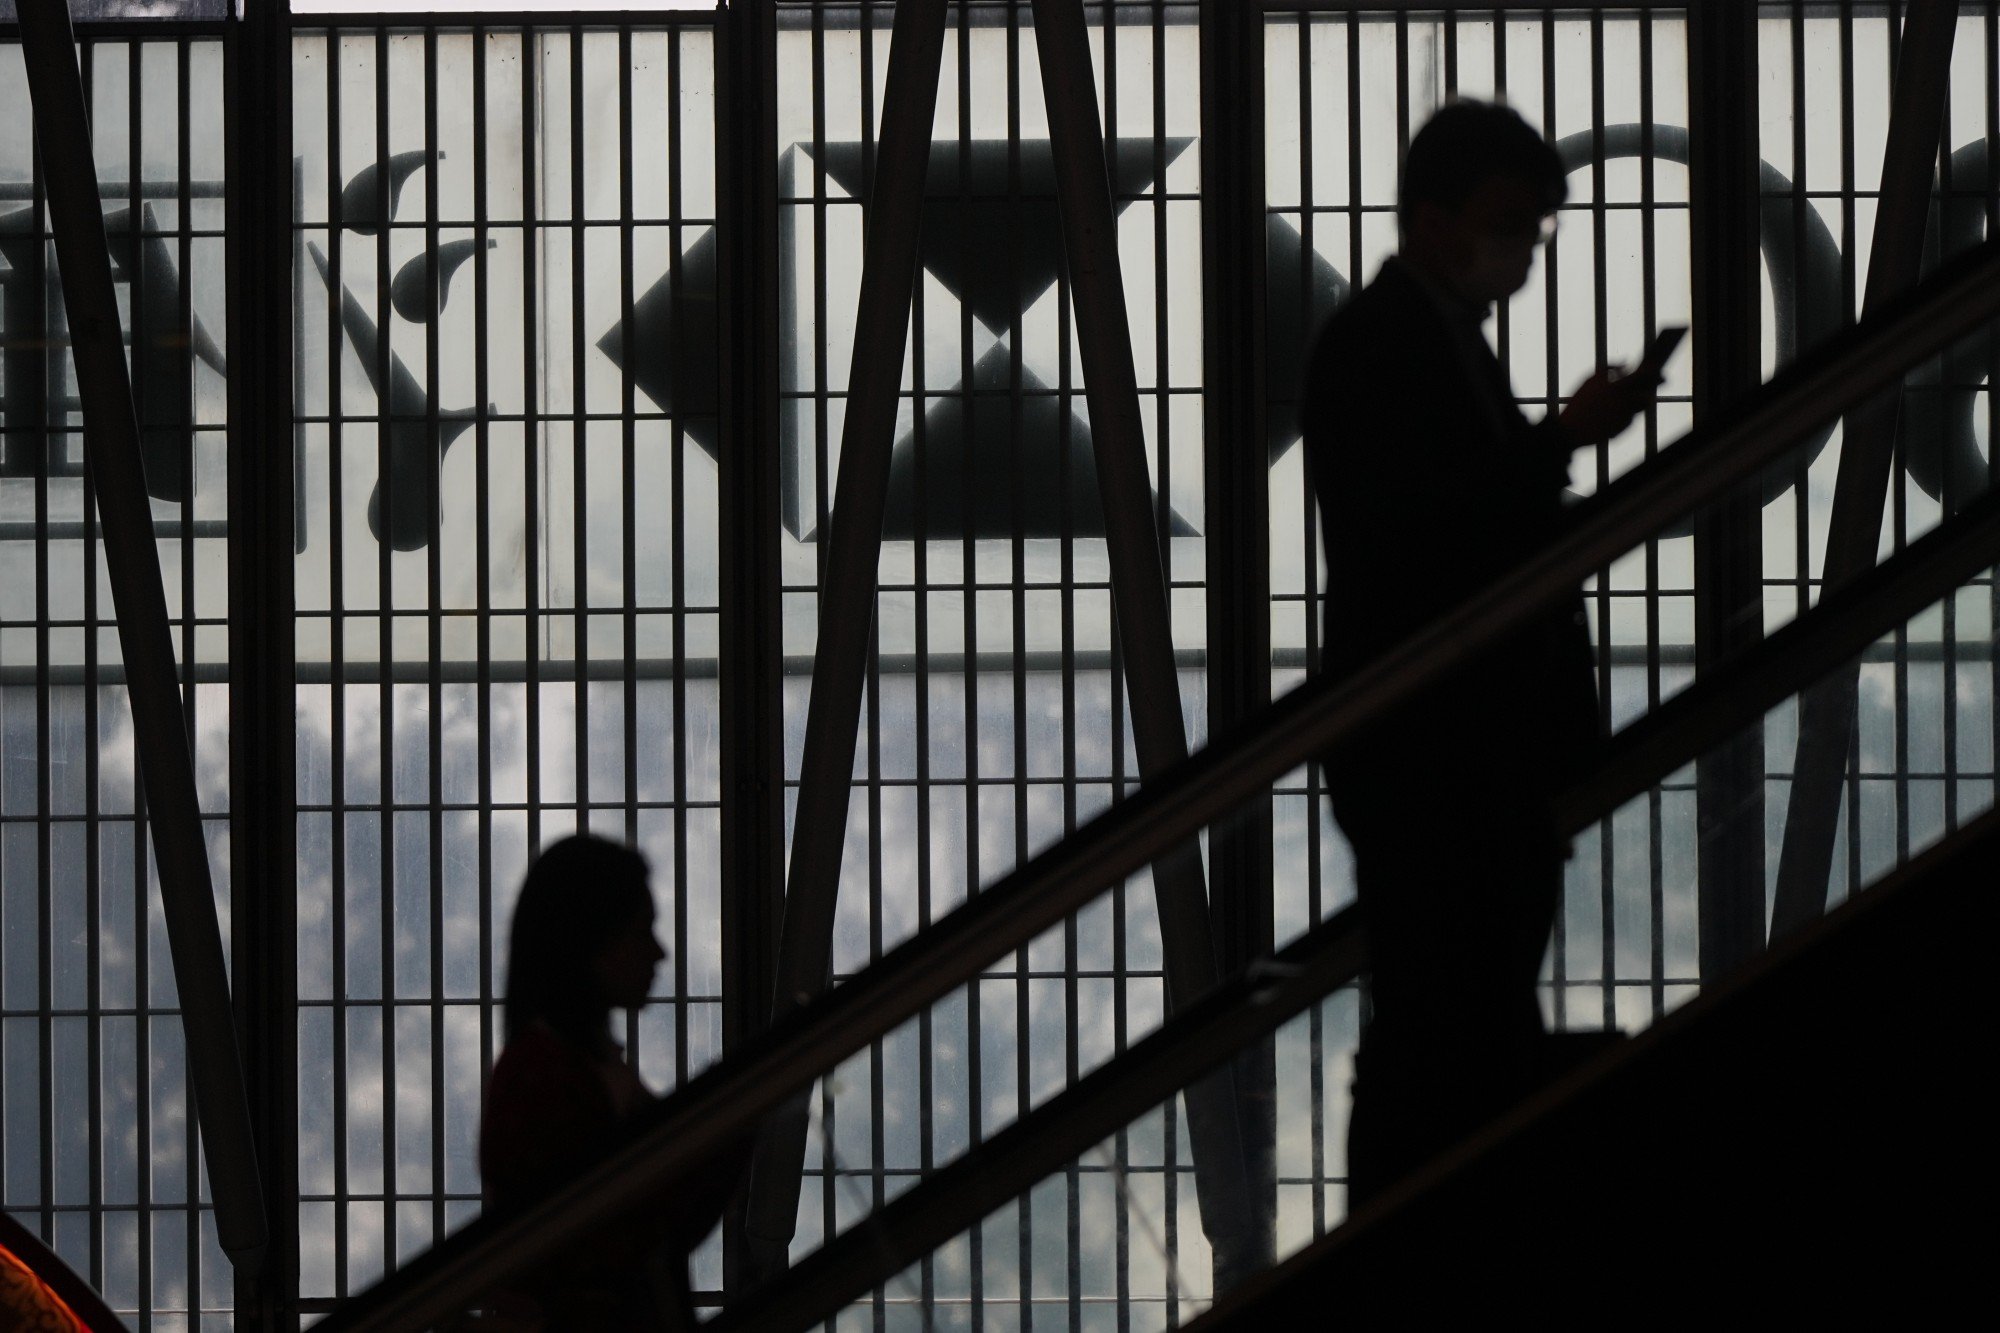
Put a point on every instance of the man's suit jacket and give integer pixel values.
(1430, 485)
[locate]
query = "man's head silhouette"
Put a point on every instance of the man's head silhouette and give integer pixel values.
(1479, 194)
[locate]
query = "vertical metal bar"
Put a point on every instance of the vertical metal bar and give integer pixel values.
(433, 798)
(1139, 591)
(111, 440)
(853, 547)
(385, 630)
(263, 721)
(337, 813)
(191, 606)
(1236, 478)
(1551, 397)
(1607, 878)
(579, 545)
(482, 171)
(1827, 712)
(1649, 318)
(1992, 100)
(533, 426)
(677, 583)
(1722, 190)
(751, 649)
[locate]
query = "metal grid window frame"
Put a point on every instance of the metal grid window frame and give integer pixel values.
(91, 1018)
(562, 699)
(1897, 656)
(988, 685)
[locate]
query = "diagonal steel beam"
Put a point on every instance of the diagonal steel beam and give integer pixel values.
(1867, 449)
(702, 1117)
(1139, 597)
(159, 724)
(847, 587)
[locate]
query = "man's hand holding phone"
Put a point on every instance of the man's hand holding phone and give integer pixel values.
(1607, 402)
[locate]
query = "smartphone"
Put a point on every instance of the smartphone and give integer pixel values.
(1663, 345)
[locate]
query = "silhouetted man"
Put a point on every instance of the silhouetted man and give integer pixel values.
(1431, 483)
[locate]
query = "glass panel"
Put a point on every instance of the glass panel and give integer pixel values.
(507, 568)
(98, 1144)
(995, 720)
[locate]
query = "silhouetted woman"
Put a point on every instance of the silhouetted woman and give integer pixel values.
(583, 945)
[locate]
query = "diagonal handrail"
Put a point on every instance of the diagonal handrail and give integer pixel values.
(1333, 953)
(696, 1121)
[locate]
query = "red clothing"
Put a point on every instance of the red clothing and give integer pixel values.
(551, 1108)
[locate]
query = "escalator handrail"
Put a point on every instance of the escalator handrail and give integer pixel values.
(701, 1117)
(954, 1197)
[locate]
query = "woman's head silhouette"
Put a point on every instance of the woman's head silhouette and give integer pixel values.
(582, 942)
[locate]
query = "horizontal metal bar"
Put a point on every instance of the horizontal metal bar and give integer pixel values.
(24, 192)
(1389, 10)
(695, 1122)
(526, 18)
(552, 671)
(73, 530)
(129, 28)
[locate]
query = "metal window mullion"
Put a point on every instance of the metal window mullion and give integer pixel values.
(871, 685)
(1066, 434)
(1722, 193)
(434, 723)
(44, 953)
(1992, 63)
(337, 694)
(94, 827)
(141, 797)
(1601, 339)
(1801, 207)
(482, 542)
(579, 239)
(628, 517)
(1898, 498)
(1649, 319)
(1948, 502)
(1551, 396)
(386, 609)
(190, 608)
(1504, 309)
(42, 454)
(535, 427)
(1072, 1180)
(920, 681)
(678, 586)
